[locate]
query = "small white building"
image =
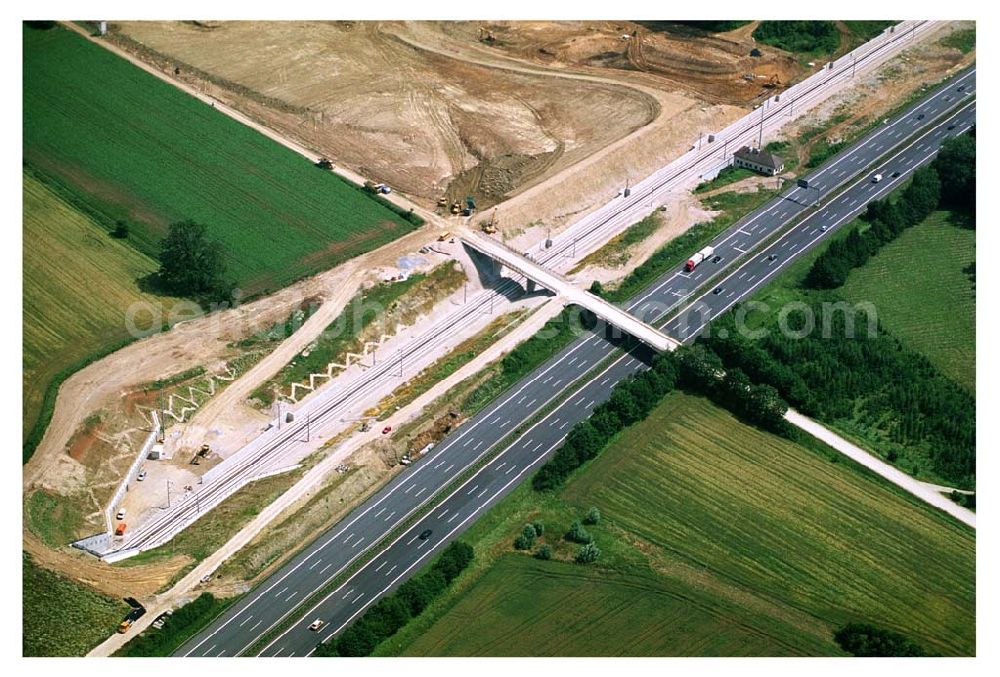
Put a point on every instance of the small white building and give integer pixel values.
(759, 161)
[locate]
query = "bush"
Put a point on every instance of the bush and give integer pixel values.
(577, 534)
(121, 230)
(587, 554)
(544, 551)
(593, 516)
(539, 527)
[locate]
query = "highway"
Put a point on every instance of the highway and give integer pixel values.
(278, 597)
(331, 405)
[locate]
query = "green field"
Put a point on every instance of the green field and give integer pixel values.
(119, 143)
(923, 296)
(526, 607)
(717, 538)
(78, 284)
(61, 617)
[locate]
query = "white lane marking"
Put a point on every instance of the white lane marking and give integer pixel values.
(248, 619)
(348, 593)
(291, 595)
(448, 469)
(452, 518)
(323, 570)
(315, 563)
(481, 493)
(408, 490)
(360, 595)
(472, 490)
(379, 512)
(478, 444)
(417, 495)
(358, 542)
(389, 516)
(384, 562)
(279, 593)
(391, 570)
(512, 469)
(349, 537)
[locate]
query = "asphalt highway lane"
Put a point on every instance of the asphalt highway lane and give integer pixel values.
(277, 598)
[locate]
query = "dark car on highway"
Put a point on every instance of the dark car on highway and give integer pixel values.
(895, 175)
(425, 534)
(717, 290)
(920, 117)
(716, 259)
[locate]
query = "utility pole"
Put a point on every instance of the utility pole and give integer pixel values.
(279, 413)
(168, 494)
(760, 135)
(308, 426)
(400, 363)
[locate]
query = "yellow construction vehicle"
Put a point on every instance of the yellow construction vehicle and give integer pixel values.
(490, 226)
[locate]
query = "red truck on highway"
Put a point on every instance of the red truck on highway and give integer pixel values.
(698, 258)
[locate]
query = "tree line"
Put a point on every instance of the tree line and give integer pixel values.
(949, 181)
(394, 611)
(693, 368)
(841, 374)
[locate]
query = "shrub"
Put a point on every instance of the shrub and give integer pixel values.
(578, 534)
(544, 551)
(539, 527)
(587, 554)
(593, 516)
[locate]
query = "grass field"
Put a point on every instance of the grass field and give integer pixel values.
(923, 295)
(526, 607)
(61, 617)
(727, 539)
(78, 284)
(120, 143)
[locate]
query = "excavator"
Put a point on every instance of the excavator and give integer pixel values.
(490, 227)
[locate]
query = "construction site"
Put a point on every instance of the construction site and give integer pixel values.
(513, 131)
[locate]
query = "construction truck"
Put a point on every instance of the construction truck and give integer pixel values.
(323, 163)
(444, 236)
(698, 258)
(456, 207)
(490, 227)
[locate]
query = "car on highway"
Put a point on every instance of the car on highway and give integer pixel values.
(425, 534)
(962, 88)
(717, 290)
(716, 259)
(876, 178)
(951, 127)
(772, 257)
(386, 430)
(317, 624)
(895, 175)
(920, 117)
(141, 476)
(822, 229)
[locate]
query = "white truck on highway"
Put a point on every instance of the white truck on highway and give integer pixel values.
(698, 258)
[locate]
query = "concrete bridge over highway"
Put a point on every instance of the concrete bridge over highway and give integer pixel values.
(554, 282)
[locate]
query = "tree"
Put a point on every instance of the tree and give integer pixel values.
(544, 551)
(539, 528)
(578, 534)
(526, 539)
(596, 288)
(587, 554)
(593, 516)
(193, 265)
(956, 166)
(121, 230)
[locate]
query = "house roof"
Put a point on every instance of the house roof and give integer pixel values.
(760, 157)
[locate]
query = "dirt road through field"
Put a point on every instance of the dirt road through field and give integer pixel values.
(881, 468)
